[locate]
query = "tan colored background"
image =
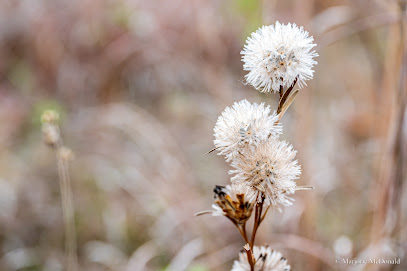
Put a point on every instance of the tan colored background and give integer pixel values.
(140, 84)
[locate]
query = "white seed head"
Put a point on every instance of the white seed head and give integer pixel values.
(244, 126)
(276, 55)
(266, 260)
(269, 169)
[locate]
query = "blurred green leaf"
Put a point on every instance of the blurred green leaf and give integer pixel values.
(121, 14)
(251, 10)
(197, 268)
(249, 7)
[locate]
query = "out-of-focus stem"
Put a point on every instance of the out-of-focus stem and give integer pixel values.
(52, 138)
(389, 187)
(67, 210)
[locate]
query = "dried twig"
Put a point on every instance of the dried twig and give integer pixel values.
(53, 139)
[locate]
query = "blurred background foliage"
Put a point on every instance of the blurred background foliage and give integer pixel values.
(139, 86)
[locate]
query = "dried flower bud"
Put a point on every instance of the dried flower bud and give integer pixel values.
(266, 260)
(51, 134)
(66, 153)
(50, 116)
(236, 205)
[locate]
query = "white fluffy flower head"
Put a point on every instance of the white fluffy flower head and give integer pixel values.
(270, 169)
(266, 260)
(276, 55)
(243, 126)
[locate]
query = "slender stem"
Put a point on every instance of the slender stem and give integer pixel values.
(264, 215)
(247, 248)
(245, 233)
(241, 229)
(280, 92)
(255, 226)
(68, 211)
(250, 257)
(257, 221)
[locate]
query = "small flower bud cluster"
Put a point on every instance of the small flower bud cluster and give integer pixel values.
(52, 135)
(50, 129)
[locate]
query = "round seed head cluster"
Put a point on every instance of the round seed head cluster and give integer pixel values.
(269, 169)
(278, 54)
(266, 260)
(243, 126)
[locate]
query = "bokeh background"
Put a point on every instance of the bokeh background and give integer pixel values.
(139, 86)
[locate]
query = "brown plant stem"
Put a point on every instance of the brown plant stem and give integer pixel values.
(280, 92)
(247, 248)
(387, 220)
(257, 221)
(264, 215)
(245, 233)
(285, 96)
(250, 257)
(255, 225)
(242, 230)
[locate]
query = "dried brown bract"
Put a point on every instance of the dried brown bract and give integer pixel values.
(233, 204)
